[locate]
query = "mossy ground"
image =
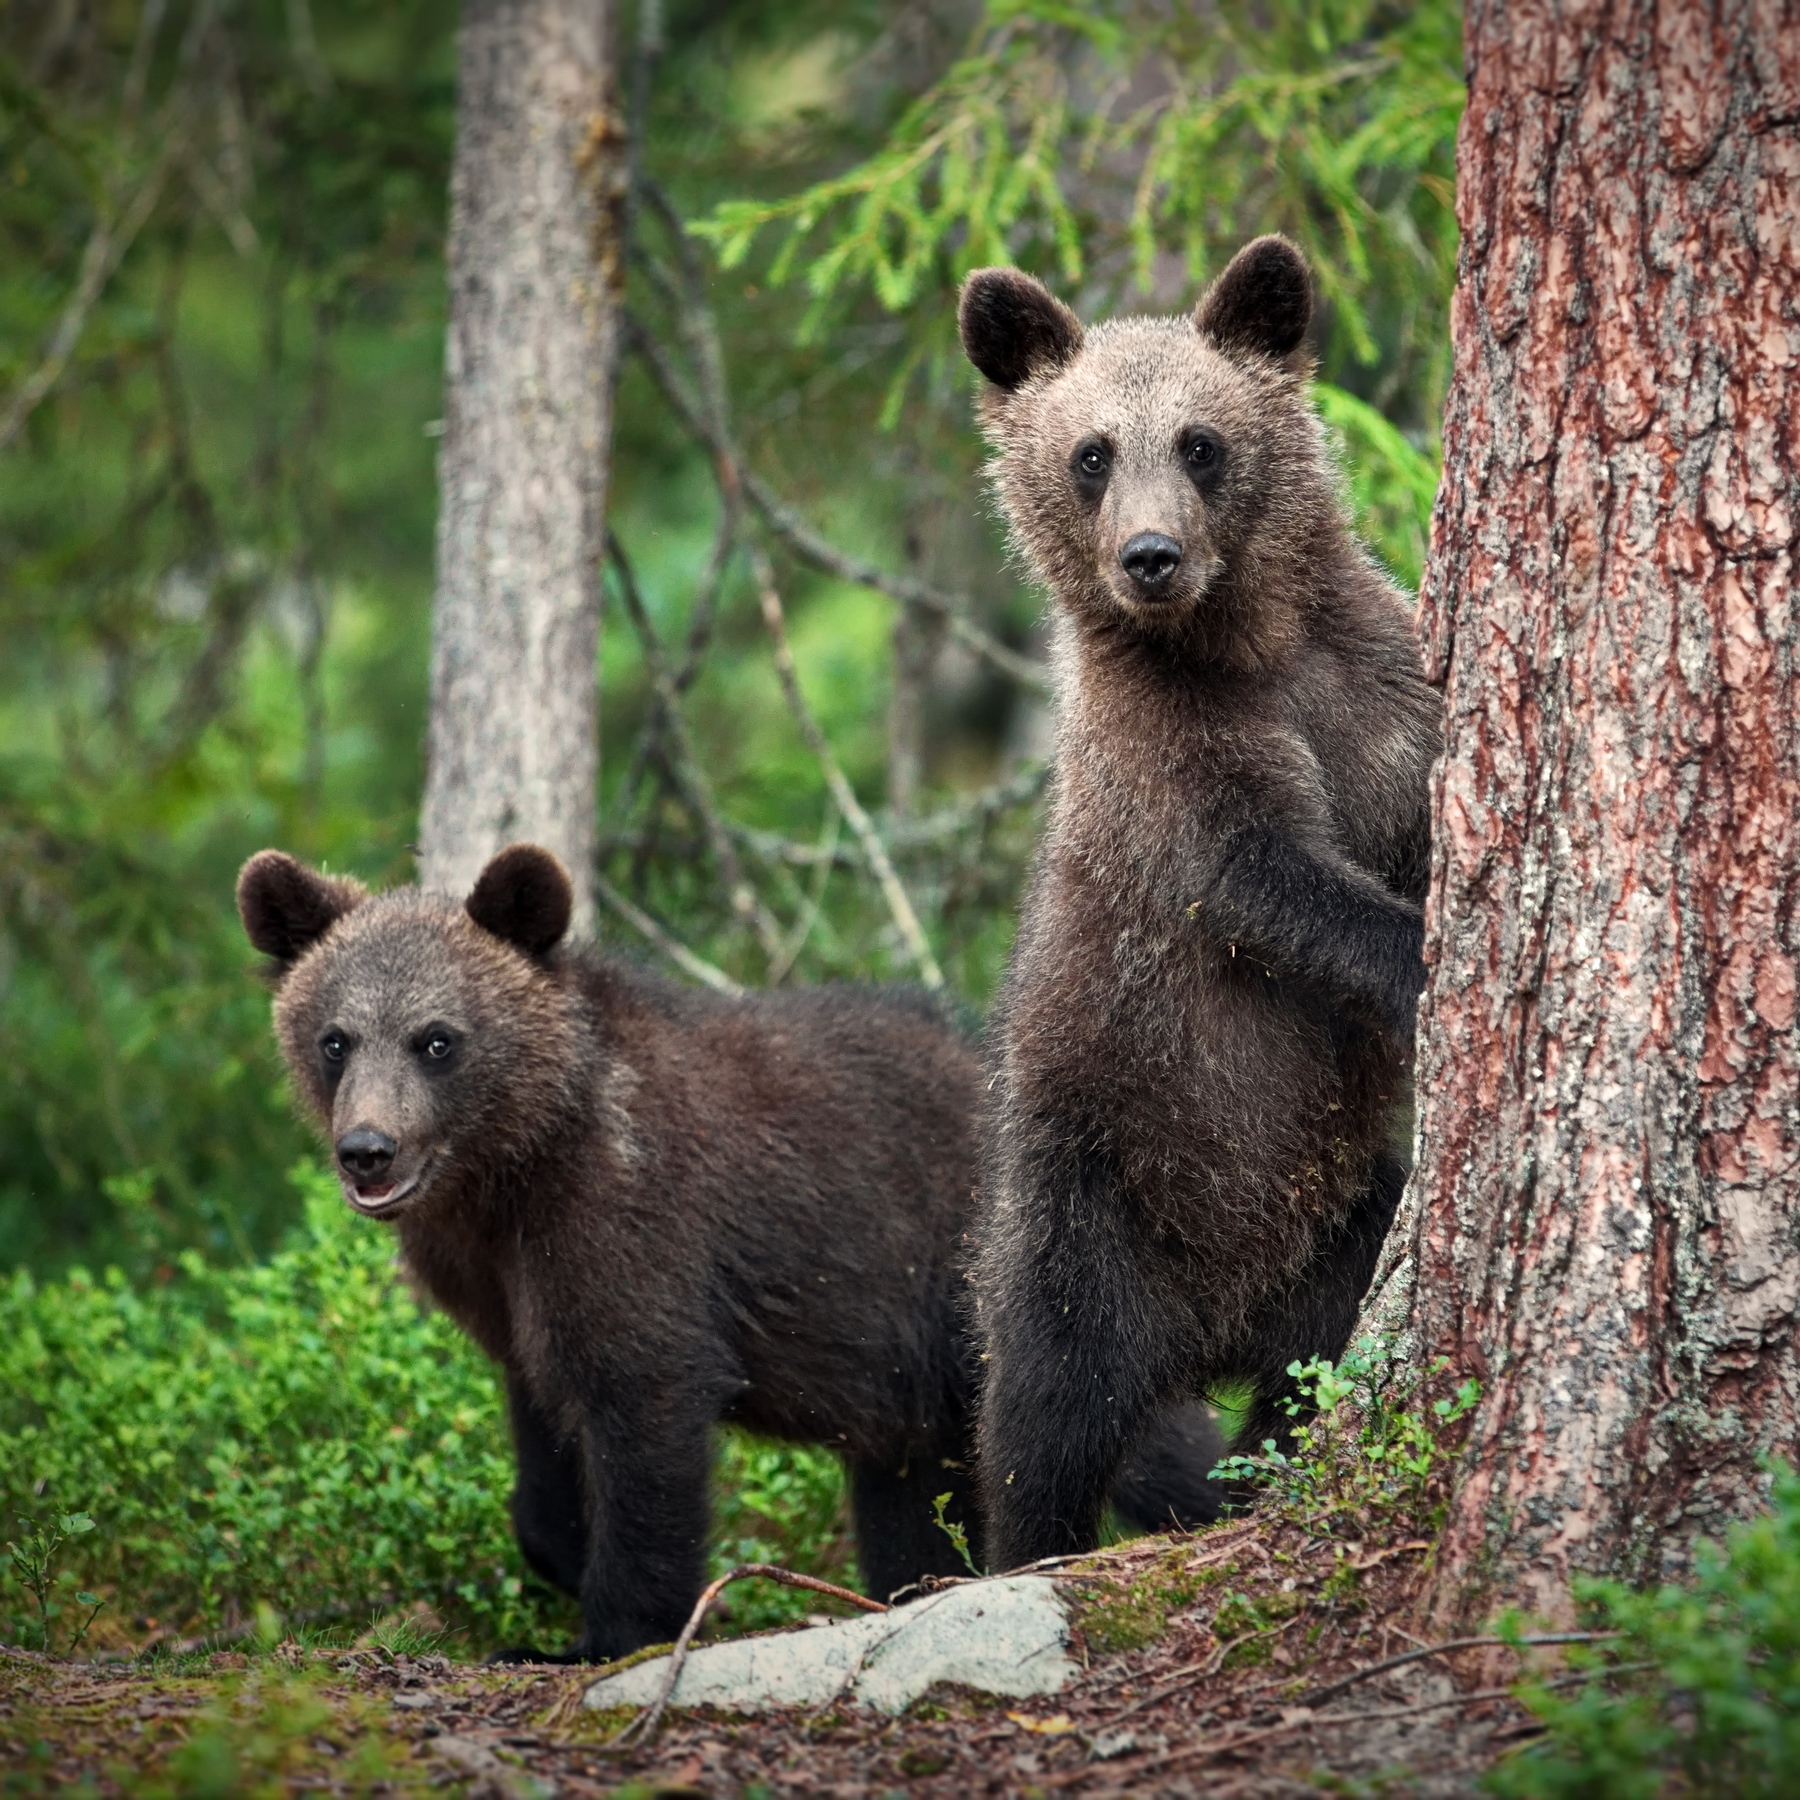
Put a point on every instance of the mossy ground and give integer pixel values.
(1199, 1658)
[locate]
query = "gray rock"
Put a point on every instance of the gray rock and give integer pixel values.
(1008, 1637)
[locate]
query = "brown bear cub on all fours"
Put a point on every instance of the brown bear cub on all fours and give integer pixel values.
(1202, 1045)
(658, 1208)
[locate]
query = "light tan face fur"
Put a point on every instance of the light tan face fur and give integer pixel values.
(1167, 475)
(410, 1021)
(1147, 393)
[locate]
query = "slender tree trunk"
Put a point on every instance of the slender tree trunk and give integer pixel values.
(1604, 1225)
(537, 193)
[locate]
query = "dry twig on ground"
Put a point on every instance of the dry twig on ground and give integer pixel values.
(645, 1724)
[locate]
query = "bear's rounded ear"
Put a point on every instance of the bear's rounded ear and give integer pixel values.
(1262, 303)
(287, 907)
(524, 896)
(1013, 326)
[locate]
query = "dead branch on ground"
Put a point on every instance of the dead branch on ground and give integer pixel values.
(645, 1724)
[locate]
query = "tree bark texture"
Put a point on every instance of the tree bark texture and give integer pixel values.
(537, 194)
(1604, 1224)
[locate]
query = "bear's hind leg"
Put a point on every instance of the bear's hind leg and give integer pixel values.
(1085, 1343)
(898, 1540)
(1165, 1484)
(1316, 1315)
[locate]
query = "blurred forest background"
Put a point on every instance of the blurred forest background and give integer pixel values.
(221, 338)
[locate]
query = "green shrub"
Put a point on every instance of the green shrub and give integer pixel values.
(298, 1434)
(34, 1556)
(1371, 1452)
(1700, 1693)
(777, 1503)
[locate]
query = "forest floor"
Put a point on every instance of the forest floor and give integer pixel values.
(1247, 1660)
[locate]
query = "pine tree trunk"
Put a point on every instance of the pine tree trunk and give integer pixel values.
(535, 267)
(1604, 1226)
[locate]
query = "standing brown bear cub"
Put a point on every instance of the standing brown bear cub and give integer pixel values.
(657, 1209)
(1204, 1032)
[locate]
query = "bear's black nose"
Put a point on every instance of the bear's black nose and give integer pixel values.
(1150, 557)
(365, 1154)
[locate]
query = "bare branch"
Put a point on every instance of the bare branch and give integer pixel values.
(908, 834)
(699, 325)
(137, 71)
(810, 547)
(107, 243)
(815, 900)
(305, 46)
(1470, 1643)
(700, 625)
(671, 946)
(807, 544)
(876, 854)
(975, 809)
(645, 1724)
(218, 200)
(687, 767)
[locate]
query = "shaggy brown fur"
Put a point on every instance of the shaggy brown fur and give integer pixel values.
(657, 1209)
(1203, 1036)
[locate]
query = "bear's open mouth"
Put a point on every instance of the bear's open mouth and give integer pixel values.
(383, 1196)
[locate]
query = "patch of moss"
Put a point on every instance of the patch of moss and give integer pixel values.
(595, 1724)
(1343, 1586)
(1120, 1612)
(1238, 1613)
(1251, 1654)
(619, 1665)
(265, 1733)
(923, 1759)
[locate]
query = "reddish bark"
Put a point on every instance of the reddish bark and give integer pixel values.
(1605, 1224)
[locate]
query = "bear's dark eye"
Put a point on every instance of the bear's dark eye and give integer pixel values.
(333, 1048)
(437, 1047)
(1092, 462)
(1203, 453)
(436, 1043)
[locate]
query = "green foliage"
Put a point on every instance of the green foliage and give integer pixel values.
(1700, 1693)
(32, 1554)
(1248, 1625)
(215, 539)
(1392, 484)
(954, 1530)
(298, 1435)
(784, 1504)
(1333, 122)
(1370, 1453)
(1095, 144)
